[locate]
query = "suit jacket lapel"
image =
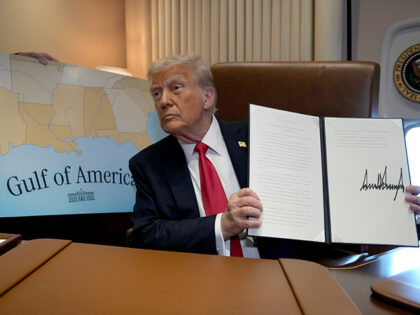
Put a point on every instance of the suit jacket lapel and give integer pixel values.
(175, 167)
(179, 179)
(233, 134)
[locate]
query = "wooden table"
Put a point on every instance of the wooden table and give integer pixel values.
(356, 282)
(60, 277)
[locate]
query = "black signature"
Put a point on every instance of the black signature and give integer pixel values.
(382, 183)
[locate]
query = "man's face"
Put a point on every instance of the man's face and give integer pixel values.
(183, 108)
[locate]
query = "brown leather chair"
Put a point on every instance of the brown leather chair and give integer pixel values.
(319, 88)
(327, 88)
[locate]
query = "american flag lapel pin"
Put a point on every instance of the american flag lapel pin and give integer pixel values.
(242, 144)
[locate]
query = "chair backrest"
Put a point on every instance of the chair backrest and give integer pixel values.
(332, 88)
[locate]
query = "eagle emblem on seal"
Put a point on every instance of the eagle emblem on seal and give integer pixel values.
(407, 73)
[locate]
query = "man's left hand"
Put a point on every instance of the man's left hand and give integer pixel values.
(242, 206)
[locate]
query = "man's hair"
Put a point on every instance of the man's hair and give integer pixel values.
(201, 72)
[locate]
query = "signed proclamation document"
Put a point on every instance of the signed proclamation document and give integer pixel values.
(334, 180)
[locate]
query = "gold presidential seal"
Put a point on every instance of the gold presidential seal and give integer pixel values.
(407, 73)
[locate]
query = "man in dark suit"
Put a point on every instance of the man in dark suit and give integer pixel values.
(169, 213)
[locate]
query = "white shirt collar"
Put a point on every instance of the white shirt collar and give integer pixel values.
(213, 138)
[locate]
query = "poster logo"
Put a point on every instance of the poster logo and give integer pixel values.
(81, 196)
(407, 73)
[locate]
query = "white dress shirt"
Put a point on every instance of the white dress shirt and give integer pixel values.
(218, 154)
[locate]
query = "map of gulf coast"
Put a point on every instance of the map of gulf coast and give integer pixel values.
(66, 135)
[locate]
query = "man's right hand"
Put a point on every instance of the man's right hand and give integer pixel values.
(242, 206)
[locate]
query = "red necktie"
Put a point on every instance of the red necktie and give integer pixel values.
(214, 197)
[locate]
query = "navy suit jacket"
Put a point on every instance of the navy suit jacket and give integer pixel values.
(166, 214)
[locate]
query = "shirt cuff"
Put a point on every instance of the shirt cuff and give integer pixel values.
(222, 246)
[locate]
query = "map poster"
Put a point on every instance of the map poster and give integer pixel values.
(66, 135)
